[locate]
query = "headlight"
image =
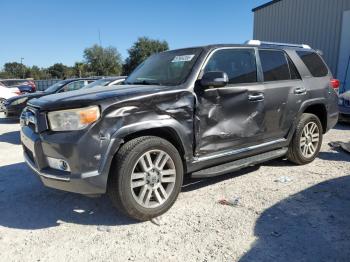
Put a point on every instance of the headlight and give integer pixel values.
(19, 101)
(340, 101)
(73, 119)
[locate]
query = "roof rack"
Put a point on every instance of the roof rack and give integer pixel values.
(265, 43)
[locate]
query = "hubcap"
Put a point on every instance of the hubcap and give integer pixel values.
(309, 139)
(153, 178)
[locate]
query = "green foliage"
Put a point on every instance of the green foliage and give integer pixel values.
(103, 61)
(142, 49)
(15, 70)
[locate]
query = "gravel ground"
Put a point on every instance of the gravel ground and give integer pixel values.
(281, 212)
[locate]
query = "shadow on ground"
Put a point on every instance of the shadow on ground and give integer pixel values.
(26, 204)
(342, 126)
(8, 120)
(11, 138)
(312, 225)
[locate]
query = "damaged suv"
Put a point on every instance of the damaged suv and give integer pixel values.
(202, 111)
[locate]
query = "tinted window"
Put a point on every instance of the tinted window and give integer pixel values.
(74, 86)
(294, 74)
(274, 65)
(314, 63)
(238, 64)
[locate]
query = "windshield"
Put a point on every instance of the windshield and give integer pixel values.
(55, 87)
(167, 68)
(101, 82)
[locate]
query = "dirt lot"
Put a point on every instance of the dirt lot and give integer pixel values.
(283, 213)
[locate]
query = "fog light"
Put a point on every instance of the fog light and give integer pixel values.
(59, 164)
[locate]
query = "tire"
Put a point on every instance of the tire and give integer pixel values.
(2, 104)
(143, 201)
(299, 153)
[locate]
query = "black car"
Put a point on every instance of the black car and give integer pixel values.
(202, 111)
(15, 105)
(344, 107)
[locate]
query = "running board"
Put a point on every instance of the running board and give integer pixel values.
(239, 164)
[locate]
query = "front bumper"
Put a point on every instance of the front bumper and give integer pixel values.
(88, 175)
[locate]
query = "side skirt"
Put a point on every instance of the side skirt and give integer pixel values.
(239, 164)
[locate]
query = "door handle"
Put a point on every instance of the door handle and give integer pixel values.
(299, 90)
(258, 97)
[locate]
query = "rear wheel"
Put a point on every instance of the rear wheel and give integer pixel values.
(146, 177)
(307, 140)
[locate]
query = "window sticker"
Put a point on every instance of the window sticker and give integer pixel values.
(182, 58)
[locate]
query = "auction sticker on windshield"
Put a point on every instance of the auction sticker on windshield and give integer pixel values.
(182, 58)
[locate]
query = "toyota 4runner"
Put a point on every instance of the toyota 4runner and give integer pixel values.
(202, 111)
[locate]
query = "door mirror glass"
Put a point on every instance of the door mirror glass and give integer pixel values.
(214, 79)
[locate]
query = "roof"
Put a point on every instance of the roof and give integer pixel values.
(266, 5)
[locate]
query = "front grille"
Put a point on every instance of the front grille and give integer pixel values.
(347, 103)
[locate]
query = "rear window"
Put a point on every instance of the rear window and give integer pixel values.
(314, 63)
(275, 65)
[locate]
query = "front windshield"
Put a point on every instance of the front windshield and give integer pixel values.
(101, 82)
(55, 87)
(167, 68)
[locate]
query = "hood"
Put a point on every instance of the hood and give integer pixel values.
(29, 96)
(90, 96)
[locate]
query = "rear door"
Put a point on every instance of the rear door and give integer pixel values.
(284, 92)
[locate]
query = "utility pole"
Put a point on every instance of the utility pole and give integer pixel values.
(22, 67)
(99, 37)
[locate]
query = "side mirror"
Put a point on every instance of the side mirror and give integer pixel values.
(214, 79)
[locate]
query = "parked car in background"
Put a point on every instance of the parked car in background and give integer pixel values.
(202, 111)
(15, 105)
(107, 81)
(344, 107)
(7, 93)
(24, 85)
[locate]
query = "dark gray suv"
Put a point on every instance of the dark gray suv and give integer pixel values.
(202, 111)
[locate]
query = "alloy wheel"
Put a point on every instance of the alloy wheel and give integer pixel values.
(309, 139)
(153, 178)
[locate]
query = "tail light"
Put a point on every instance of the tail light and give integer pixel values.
(32, 84)
(335, 84)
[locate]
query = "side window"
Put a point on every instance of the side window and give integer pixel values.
(314, 63)
(74, 86)
(294, 74)
(238, 64)
(275, 65)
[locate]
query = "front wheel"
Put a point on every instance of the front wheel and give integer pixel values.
(2, 105)
(146, 177)
(307, 140)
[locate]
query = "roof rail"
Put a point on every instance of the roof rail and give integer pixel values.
(265, 43)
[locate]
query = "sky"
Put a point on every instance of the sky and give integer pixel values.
(44, 32)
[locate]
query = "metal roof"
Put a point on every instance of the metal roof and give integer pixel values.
(266, 5)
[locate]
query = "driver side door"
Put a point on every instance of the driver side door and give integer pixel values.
(230, 117)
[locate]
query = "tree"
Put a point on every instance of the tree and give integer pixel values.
(57, 70)
(142, 49)
(80, 69)
(103, 61)
(15, 70)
